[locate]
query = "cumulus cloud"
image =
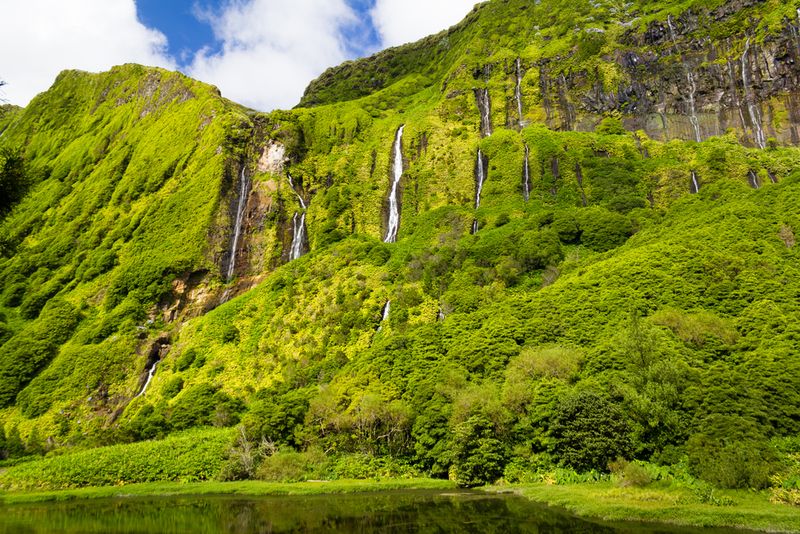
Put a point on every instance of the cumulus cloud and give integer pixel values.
(271, 49)
(40, 38)
(404, 21)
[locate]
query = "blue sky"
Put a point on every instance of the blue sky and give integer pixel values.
(261, 53)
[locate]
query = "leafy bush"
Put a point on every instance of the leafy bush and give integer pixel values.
(731, 452)
(187, 457)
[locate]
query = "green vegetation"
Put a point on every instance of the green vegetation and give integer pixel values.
(677, 506)
(246, 488)
(613, 322)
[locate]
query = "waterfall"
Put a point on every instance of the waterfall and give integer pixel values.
(692, 106)
(735, 95)
(299, 197)
(772, 177)
(691, 83)
(518, 89)
(244, 186)
(385, 314)
(298, 235)
(752, 177)
(150, 374)
(480, 178)
(752, 107)
(298, 225)
(695, 185)
(526, 173)
(485, 108)
(394, 201)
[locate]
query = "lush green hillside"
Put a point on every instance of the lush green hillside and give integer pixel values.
(629, 292)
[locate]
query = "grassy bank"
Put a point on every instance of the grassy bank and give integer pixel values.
(247, 488)
(664, 504)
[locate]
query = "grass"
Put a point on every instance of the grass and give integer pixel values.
(663, 504)
(249, 488)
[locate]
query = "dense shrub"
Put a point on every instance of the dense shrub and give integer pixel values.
(589, 431)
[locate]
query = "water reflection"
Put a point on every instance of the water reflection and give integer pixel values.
(389, 512)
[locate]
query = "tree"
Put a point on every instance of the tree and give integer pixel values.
(589, 431)
(479, 457)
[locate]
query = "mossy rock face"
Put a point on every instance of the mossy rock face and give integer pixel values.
(663, 268)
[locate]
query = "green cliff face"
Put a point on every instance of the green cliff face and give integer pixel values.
(623, 290)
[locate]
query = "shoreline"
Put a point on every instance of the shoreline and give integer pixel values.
(603, 502)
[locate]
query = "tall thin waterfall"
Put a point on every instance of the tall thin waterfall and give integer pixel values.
(385, 314)
(694, 187)
(299, 197)
(298, 225)
(480, 178)
(692, 86)
(526, 174)
(518, 89)
(244, 188)
(485, 108)
(298, 235)
(752, 178)
(150, 374)
(692, 106)
(394, 200)
(752, 107)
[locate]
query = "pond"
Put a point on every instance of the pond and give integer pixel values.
(386, 512)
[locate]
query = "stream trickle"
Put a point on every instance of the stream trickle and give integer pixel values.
(691, 84)
(394, 200)
(385, 314)
(752, 179)
(749, 98)
(485, 108)
(518, 89)
(694, 187)
(298, 225)
(526, 174)
(480, 178)
(244, 188)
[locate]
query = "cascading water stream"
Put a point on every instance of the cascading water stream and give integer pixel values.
(695, 185)
(485, 108)
(394, 201)
(692, 106)
(298, 235)
(385, 314)
(299, 197)
(244, 187)
(150, 374)
(526, 173)
(772, 177)
(752, 108)
(692, 86)
(480, 178)
(518, 89)
(752, 178)
(298, 225)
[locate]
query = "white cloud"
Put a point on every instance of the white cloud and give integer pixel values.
(40, 38)
(403, 21)
(271, 49)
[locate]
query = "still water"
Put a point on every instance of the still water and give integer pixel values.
(388, 512)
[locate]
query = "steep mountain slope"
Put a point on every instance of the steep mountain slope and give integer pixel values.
(595, 258)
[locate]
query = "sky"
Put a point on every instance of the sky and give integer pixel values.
(260, 53)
